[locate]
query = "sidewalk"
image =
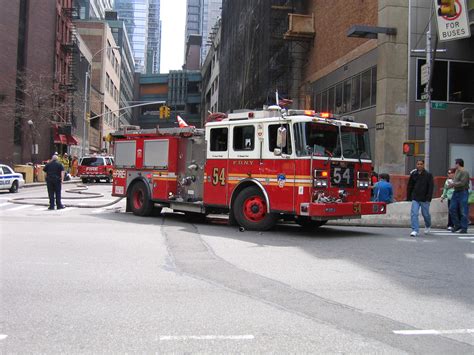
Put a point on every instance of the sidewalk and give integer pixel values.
(398, 215)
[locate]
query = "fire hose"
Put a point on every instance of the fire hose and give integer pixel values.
(79, 189)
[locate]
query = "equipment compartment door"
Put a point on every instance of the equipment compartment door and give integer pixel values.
(216, 170)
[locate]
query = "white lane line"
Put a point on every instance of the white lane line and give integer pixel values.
(206, 337)
(465, 237)
(5, 204)
(433, 332)
(100, 210)
(469, 256)
(18, 208)
(3, 336)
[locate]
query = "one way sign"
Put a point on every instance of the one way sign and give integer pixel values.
(454, 25)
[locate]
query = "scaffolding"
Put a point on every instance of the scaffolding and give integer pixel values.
(260, 53)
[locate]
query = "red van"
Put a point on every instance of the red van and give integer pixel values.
(94, 168)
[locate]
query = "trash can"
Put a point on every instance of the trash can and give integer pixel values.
(26, 171)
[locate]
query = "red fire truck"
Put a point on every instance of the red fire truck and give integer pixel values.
(258, 166)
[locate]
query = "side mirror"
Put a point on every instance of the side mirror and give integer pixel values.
(281, 137)
(277, 151)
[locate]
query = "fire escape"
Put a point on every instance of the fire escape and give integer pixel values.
(65, 80)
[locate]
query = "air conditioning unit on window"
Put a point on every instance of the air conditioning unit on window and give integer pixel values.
(467, 117)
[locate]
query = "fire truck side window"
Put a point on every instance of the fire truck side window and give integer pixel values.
(218, 139)
(272, 138)
(244, 138)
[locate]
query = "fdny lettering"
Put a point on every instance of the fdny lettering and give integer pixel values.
(243, 162)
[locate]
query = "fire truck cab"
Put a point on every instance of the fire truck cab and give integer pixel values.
(258, 166)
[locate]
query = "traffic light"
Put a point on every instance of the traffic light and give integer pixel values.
(413, 147)
(162, 111)
(409, 148)
(167, 112)
(447, 8)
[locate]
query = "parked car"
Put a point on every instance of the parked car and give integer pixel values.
(94, 168)
(9, 180)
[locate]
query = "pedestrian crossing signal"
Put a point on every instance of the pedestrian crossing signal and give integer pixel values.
(408, 148)
(413, 147)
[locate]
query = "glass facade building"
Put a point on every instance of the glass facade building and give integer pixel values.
(201, 16)
(92, 9)
(135, 15)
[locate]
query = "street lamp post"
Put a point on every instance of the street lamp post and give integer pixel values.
(86, 89)
(34, 145)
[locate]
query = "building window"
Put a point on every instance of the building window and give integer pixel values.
(347, 96)
(366, 83)
(355, 97)
(373, 94)
(461, 82)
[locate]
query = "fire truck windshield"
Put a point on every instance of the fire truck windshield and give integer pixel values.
(324, 139)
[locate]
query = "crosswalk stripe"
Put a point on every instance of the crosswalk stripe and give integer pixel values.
(21, 207)
(5, 204)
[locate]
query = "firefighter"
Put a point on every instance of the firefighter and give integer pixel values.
(54, 177)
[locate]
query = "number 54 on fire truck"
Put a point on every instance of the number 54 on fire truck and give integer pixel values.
(258, 166)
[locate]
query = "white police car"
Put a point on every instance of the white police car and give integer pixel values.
(9, 180)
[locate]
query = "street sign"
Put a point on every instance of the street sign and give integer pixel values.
(454, 27)
(425, 74)
(439, 105)
(424, 96)
(421, 112)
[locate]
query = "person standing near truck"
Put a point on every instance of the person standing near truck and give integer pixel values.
(420, 192)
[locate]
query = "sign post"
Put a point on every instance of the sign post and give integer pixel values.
(455, 25)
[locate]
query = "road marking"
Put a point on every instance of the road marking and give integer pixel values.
(465, 237)
(100, 210)
(18, 208)
(433, 332)
(206, 337)
(5, 204)
(469, 256)
(3, 336)
(451, 234)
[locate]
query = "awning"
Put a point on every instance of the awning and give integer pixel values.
(71, 140)
(60, 138)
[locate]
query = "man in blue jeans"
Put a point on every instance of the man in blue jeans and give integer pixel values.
(420, 192)
(459, 201)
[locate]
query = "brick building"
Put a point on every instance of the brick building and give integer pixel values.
(35, 79)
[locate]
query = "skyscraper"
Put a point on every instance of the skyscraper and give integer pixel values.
(135, 15)
(154, 38)
(142, 20)
(201, 16)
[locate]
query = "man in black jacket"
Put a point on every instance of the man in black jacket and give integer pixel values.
(54, 177)
(420, 192)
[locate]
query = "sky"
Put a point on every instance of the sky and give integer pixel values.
(173, 18)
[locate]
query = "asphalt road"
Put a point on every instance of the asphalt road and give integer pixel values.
(101, 280)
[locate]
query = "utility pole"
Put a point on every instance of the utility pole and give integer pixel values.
(428, 100)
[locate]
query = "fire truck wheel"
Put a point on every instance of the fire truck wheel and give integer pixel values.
(84, 180)
(250, 210)
(140, 202)
(308, 223)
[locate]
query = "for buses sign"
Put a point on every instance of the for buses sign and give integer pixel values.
(455, 24)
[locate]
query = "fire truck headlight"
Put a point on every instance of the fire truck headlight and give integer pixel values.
(363, 184)
(320, 183)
